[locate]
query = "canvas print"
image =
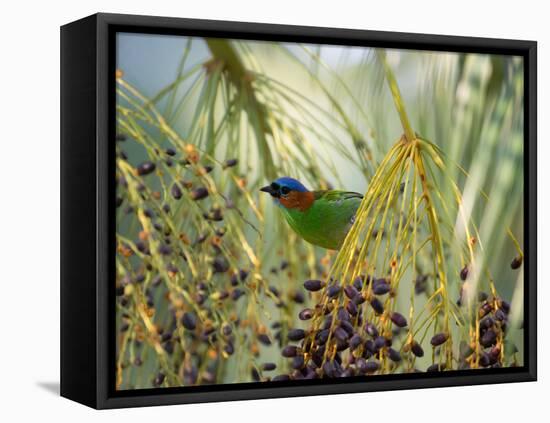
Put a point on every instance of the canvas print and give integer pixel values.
(290, 211)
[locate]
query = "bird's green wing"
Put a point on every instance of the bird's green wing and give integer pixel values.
(328, 220)
(335, 195)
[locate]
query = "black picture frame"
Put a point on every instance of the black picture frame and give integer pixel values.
(88, 224)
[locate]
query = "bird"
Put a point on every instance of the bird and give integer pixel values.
(322, 218)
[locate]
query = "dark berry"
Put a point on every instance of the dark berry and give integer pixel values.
(394, 355)
(464, 273)
(189, 320)
(516, 262)
(416, 349)
(439, 339)
(296, 334)
(489, 338)
(145, 168)
(333, 291)
(313, 285)
(269, 367)
(176, 191)
(377, 306)
(199, 193)
(398, 319)
(230, 163)
(289, 351)
(306, 314)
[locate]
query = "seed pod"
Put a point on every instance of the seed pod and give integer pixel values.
(236, 294)
(321, 337)
(121, 137)
(371, 329)
(189, 320)
(267, 367)
(158, 379)
(485, 359)
(352, 308)
(296, 334)
(230, 163)
(289, 351)
(176, 191)
(394, 355)
(350, 291)
(170, 152)
(340, 334)
(487, 322)
(500, 315)
(199, 193)
(379, 342)
(505, 306)
(264, 339)
(329, 369)
(348, 327)
(343, 315)
(359, 281)
(439, 339)
(485, 309)
(358, 299)
(516, 262)
(372, 366)
(306, 314)
(464, 273)
(145, 168)
(313, 285)
(164, 249)
(333, 291)
(243, 274)
(369, 346)
(298, 362)
(226, 329)
(398, 319)
(355, 341)
(228, 348)
(220, 265)
(377, 306)
(416, 349)
(482, 296)
(489, 338)
(298, 297)
(157, 280)
(380, 287)
(361, 364)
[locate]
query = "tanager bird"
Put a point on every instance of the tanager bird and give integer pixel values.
(322, 218)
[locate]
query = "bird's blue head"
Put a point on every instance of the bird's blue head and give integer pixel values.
(290, 194)
(283, 186)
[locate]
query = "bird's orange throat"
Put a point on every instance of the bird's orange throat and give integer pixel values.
(298, 200)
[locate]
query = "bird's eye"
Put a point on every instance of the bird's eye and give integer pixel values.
(285, 190)
(275, 186)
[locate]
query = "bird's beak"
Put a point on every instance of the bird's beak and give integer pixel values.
(270, 191)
